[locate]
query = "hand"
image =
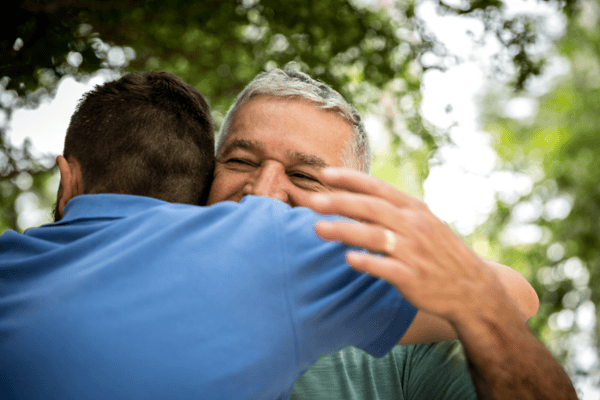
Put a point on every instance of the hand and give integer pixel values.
(439, 274)
(431, 266)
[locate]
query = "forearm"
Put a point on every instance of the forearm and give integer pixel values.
(508, 362)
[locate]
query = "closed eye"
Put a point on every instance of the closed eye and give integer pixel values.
(238, 161)
(299, 175)
(239, 164)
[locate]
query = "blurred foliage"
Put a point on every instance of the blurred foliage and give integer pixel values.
(558, 148)
(367, 52)
(217, 46)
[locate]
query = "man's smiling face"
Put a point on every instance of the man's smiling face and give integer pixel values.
(275, 148)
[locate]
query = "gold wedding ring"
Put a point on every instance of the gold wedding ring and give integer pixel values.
(390, 241)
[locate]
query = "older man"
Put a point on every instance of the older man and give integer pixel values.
(135, 292)
(283, 129)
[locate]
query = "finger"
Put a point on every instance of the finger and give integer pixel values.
(415, 249)
(366, 236)
(385, 268)
(356, 206)
(358, 182)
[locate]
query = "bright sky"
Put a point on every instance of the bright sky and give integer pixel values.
(46, 125)
(462, 190)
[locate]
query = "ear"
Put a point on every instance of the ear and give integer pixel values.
(71, 181)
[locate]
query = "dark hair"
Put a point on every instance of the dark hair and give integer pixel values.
(146, 134)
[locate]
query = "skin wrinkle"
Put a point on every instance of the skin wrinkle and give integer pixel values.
(296, 157)
(281, 147)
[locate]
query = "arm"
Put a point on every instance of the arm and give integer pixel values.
(507, 361)
(428, 328)
(520, 291)
(443, 278)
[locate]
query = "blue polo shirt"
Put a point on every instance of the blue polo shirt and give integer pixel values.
(131, 297)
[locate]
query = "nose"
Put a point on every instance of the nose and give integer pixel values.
(269, 180)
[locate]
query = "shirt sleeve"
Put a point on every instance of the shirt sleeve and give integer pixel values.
(332, 305)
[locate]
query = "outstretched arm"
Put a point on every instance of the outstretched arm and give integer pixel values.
(446, 281)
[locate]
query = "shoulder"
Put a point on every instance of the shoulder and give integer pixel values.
(295, 222)
(251, 209)
(254, 219)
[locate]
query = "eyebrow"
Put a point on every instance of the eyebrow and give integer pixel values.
(295, 156)
(240, 143)
(302, 158)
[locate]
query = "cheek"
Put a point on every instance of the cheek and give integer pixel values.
(225, 187)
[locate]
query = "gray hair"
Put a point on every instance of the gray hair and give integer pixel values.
(289, 83)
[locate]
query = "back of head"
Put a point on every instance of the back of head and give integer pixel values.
(289, 83)
(146, 134)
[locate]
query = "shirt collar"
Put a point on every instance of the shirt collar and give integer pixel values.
(106, 205)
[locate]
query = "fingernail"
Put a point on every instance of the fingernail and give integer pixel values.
(324, 224)
(321, 227)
